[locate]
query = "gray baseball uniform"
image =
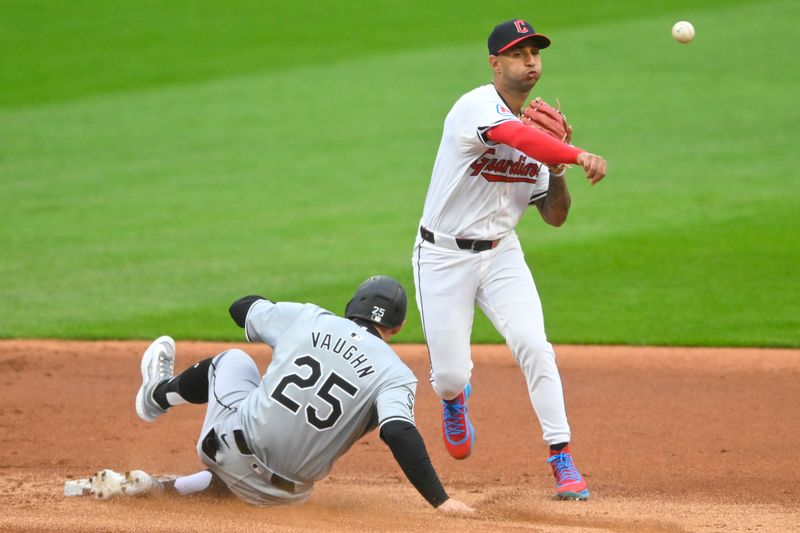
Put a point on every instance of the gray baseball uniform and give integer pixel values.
(329, 383)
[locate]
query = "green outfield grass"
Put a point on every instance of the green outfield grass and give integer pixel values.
(160, 159)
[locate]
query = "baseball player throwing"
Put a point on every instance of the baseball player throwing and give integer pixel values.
(331, 381)
(490, 167)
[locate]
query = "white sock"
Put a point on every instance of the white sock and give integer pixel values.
(193, 483)
(173, 398)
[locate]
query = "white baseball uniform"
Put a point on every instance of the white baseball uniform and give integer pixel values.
(479, 190)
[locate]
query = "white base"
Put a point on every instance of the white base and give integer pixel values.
(77, 487)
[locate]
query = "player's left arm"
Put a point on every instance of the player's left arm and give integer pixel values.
(554, 207)
(395, 409)
(411, 454)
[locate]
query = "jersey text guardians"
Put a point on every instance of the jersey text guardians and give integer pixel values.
(507, 170)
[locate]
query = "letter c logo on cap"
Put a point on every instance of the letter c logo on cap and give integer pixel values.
(522, 27)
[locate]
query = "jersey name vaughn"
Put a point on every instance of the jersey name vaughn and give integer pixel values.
(346, 350)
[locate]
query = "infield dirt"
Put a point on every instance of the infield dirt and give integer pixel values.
(669, 439)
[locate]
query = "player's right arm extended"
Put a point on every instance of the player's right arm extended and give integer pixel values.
(542, 147)
(409, 450)
(534, 142)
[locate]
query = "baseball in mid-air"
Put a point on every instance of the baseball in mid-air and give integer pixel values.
(683, 31)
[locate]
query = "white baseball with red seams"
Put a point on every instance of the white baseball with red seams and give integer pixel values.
(480, 190)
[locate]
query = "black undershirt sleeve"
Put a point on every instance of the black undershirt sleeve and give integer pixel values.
(240, 307)
(409, 450)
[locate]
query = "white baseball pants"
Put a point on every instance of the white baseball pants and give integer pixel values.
(449, 282)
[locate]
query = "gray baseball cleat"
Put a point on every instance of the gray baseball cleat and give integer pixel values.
(157, 363)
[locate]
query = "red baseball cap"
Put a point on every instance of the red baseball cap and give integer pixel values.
(508, 33)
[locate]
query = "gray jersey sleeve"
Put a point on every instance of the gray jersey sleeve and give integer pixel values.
(267, 321)
(396, 403)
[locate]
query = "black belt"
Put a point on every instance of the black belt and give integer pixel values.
(210, 447)
(465, 244)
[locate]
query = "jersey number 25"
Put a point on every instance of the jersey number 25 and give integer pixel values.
(324, 392)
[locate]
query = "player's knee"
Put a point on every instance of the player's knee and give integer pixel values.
(449, 383)
(237, 354)
(235, 358)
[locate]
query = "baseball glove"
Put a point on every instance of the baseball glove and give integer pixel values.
(547, 118)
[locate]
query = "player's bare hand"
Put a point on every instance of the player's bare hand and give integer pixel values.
(593, 165)
(455, 508)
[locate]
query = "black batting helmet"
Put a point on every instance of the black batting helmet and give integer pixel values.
(381, 300)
